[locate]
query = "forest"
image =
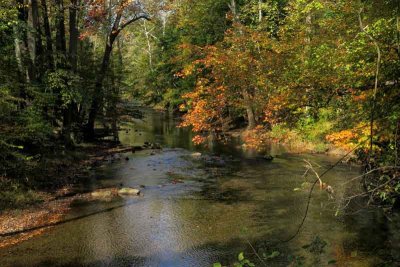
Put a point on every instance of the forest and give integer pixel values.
(312, 76)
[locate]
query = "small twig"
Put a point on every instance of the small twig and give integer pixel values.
(376, 84)
(255, 252)
(310, 167)
(369, 172)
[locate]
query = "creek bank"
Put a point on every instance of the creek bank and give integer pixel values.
(294, 145)
(56, 200)
(20, 225)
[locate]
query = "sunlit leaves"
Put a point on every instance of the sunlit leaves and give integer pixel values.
(8, 14)
(230, 77)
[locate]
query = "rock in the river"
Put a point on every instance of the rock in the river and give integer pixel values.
(268, 157)
(155, 146)
(129, 191)
(196, 155)
(136, 148)
(214, 161)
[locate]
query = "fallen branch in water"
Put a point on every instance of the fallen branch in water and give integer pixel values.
(311, 191)
(322, 185)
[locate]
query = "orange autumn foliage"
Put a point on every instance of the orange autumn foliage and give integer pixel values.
(348, 139)
(230, 76)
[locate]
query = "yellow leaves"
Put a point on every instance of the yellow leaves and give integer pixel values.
(274, 109)
(348, 139)
(186, 71)
(182, 107)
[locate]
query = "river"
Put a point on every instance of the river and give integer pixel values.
(194, 215)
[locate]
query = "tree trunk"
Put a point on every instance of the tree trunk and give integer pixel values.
(22, 71)
(61, 49)
(149, 48)
(308, 53)
(251, 119)
(398, 30)
(22, 52)
(61, 46)
(47, 32)
(232, 7)
(98, 90)
(73, 35)
(35, 36)
(69, 111)
(98, 93)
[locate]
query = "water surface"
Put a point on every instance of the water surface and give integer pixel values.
(194, 215)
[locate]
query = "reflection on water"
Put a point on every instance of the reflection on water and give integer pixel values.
(209, 216)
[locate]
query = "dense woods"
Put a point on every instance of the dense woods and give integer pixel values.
(306, 74)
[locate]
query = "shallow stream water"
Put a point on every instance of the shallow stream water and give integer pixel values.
(192, 214)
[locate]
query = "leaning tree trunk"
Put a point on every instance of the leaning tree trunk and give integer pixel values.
(98, 95)
(98, 90)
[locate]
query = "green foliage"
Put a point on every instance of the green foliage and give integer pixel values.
(66, 84)
(316, 246)
(192, 24)
(272, 15)
(14, 195)
(241, 262)
(8, 14)
(273, 255)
